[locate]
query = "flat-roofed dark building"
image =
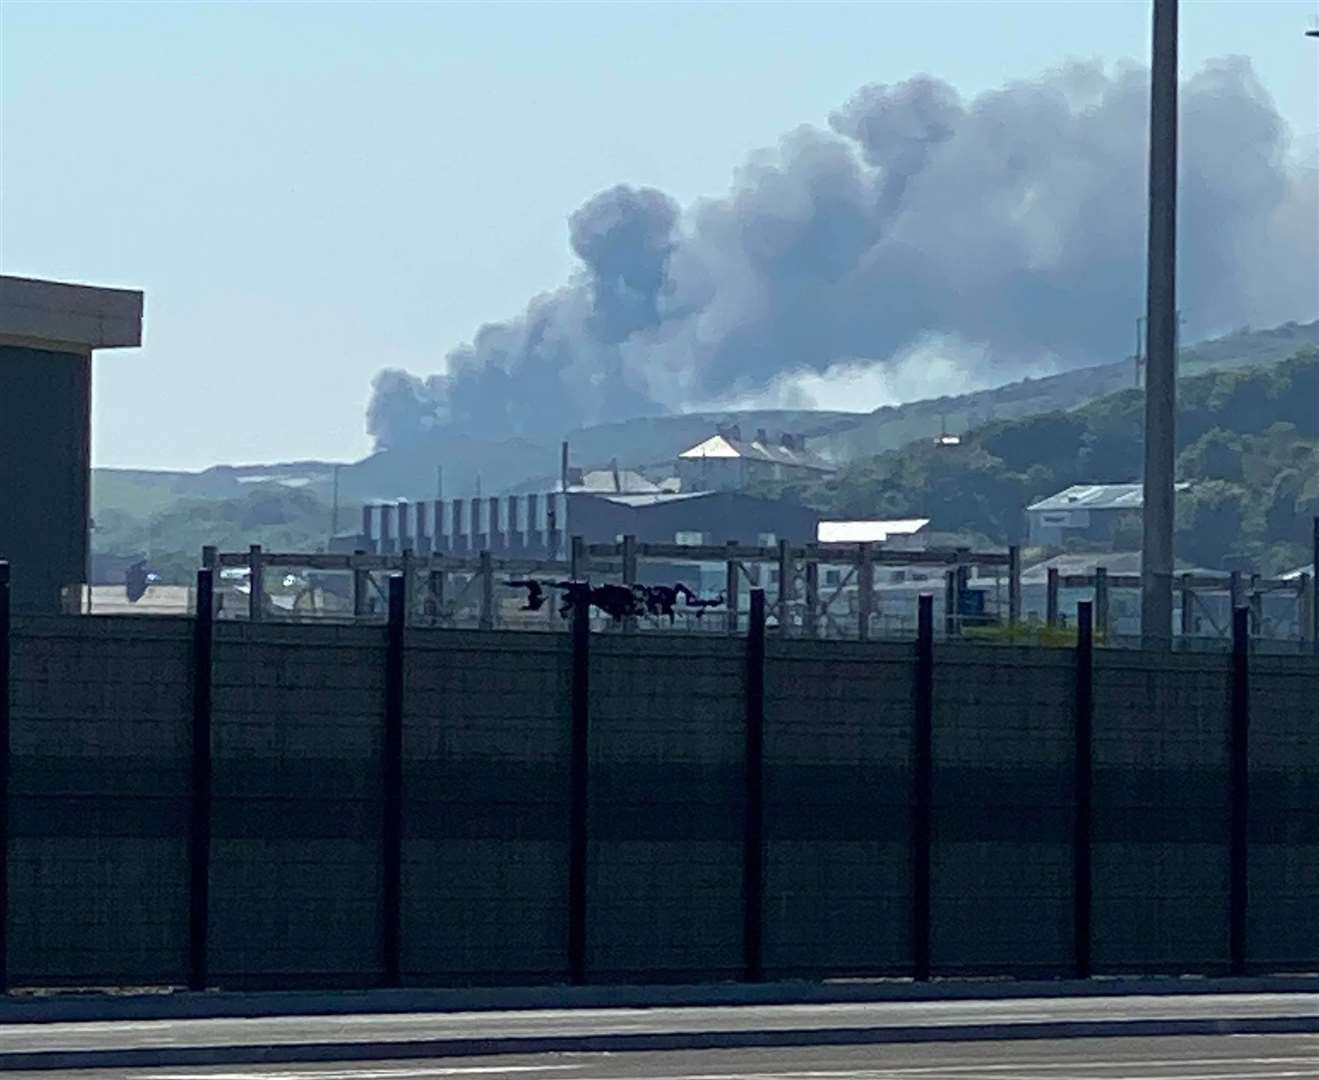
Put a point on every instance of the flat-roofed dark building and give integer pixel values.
(48, 331)
(696, 517)
(547, 522)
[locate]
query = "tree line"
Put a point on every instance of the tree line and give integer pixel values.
(1247, 440)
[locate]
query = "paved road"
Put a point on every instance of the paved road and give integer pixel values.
(1203, 1058)
(478, 1036)
(533, 1024)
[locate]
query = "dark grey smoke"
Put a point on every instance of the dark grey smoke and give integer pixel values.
(1013, 222)
(625, 237)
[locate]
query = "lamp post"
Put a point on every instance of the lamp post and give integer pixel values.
(1161, 336)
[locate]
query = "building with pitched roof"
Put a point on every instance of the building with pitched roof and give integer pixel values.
(727, 462)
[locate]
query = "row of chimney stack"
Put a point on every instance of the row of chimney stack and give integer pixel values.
(515, 523)
(788, 440)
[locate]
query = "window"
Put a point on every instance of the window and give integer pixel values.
(833, 577)
(766, 540)
(689, 539)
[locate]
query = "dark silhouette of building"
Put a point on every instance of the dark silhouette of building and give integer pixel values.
(543, 525)
(48, 332)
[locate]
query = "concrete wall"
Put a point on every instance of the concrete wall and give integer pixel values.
(101, 751)
(45, 410)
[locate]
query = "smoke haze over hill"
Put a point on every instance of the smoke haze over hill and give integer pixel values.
(1006, 231)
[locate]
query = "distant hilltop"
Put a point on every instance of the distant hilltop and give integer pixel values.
(893, 426)
(121, 497)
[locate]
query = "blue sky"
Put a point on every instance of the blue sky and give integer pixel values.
(308, 192)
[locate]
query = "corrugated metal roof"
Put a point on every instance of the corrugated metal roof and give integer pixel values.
(592, 482)
(1085, 562)
(649, 498)
(1097, 497)
(867, 532)
(724, 446)
(602, 480)
(1115, 562)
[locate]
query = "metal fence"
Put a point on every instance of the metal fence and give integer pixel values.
(815, 591)
(245, 804)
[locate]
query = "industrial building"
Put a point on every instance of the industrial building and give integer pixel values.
(1084, 512)
(613, 480)
(906, 532)
(48, 332)
(543, 524)
(727, 462)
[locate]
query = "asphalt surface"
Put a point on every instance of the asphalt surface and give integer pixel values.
(866, 1031)
(1203, 1058)
(542, 1024)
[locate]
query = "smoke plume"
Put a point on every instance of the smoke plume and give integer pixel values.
(1012, 223)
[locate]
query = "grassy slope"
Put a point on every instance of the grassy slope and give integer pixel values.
(1248, 440)
(891, 427)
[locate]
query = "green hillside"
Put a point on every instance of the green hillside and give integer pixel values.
(277, 517)
(166, 513)
(894, 426)
(1247, 439)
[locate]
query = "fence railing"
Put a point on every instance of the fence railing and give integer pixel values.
(813, 590)
(819, 590)
(1192, 593)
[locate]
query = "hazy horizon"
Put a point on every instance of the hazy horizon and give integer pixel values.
(311, 194)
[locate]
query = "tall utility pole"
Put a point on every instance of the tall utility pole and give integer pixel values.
(1140, 347)
(1161, 340)
(334, 506)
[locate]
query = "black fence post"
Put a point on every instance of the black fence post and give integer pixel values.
(1099, 623)
(4, 776)
(1083, 793)
(1314, 588)
(1240, 787)
(753, 834)
(949, 604)
(922, 784)
(578, 786)
(391, 931)
(1014, 587)
(199, 827)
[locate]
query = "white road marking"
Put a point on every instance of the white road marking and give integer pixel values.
(1006, 1071)
(1035, 1066)
(1065, 1072)
(313, 1073)
(1252, 1068)
(1021, 1071)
